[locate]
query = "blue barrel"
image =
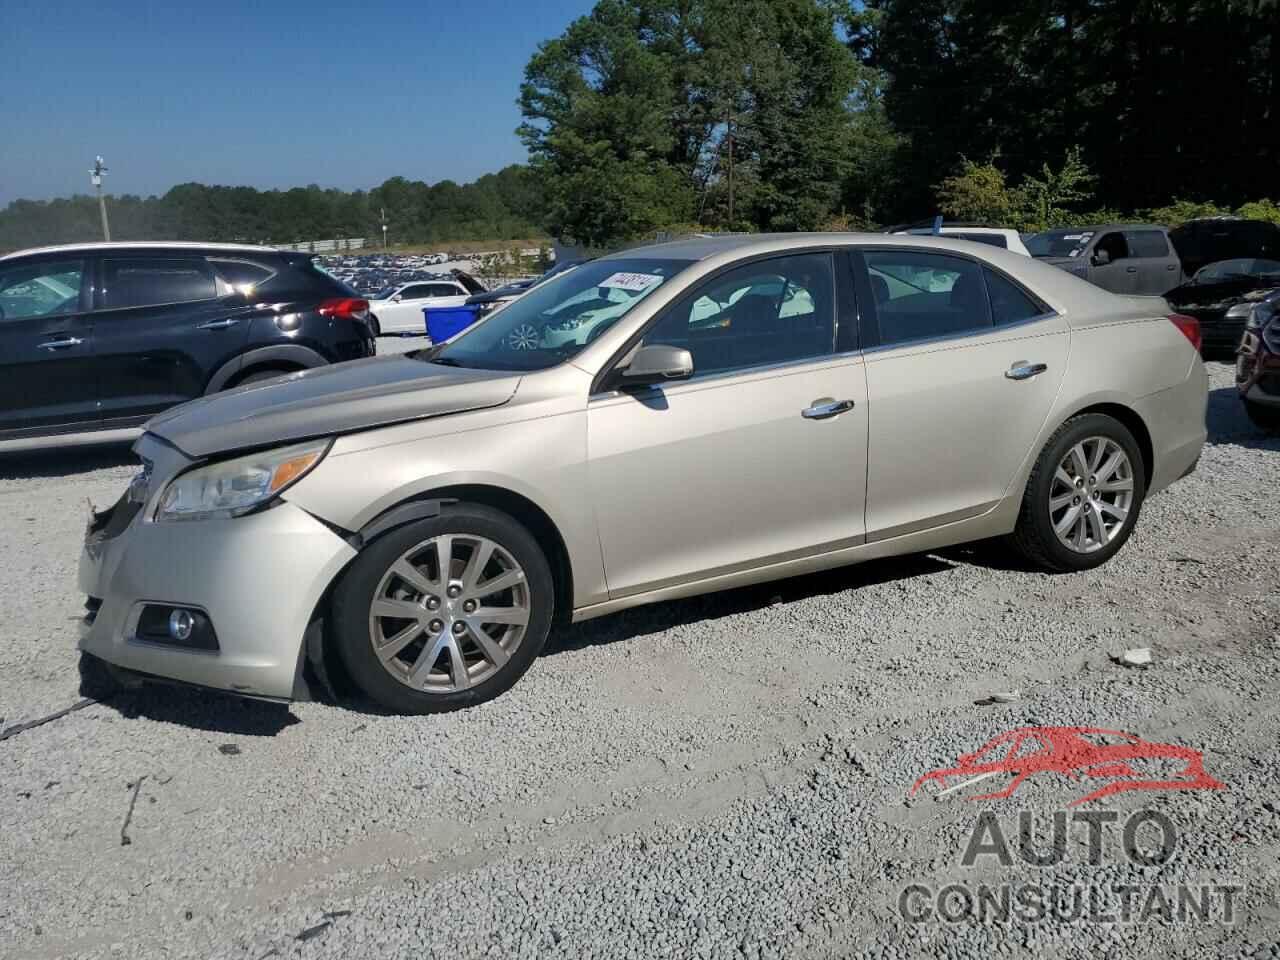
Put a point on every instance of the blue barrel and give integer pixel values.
(444, 322)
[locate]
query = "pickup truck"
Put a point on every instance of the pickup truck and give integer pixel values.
(1125, 258)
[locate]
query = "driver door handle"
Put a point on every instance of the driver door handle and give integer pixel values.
(61, 344)
(824, 408)
(218, 324)
(1025, 371)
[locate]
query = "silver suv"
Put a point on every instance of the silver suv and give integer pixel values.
(668, 421)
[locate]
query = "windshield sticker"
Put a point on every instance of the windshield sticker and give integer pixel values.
(1074, 236)
(632, 281)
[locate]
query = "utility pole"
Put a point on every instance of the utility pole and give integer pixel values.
(95, 177)
(383, 212)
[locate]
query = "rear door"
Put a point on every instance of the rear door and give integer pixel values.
(46, 346)
(1157, 267)
(163, 326)
(952, 413)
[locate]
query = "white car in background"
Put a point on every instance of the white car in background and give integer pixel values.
(398, 309)
(1009, 240)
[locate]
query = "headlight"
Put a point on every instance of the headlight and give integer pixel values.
(234, 487)
(1239, 310)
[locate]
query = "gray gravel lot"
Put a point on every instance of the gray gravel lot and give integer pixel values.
(726, 776)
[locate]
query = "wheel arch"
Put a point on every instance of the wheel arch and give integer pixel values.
(283, 357)
(1133, 421)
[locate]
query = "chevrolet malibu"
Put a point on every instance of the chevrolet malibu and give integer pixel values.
(758, 407)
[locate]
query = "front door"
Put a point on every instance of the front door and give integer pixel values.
(960, 384)
(1120, 273)
(759, 458)
(46, 346)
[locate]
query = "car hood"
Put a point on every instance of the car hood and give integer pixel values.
(1221, 294)
(342, 398)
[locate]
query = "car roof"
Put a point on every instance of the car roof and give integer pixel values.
(704, 247)
(1099, 227)
(140, 245)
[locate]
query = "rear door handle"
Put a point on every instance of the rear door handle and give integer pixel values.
(825, 408)
(61, 344)
(1025, 371)
(1130, 269)
(218, 324)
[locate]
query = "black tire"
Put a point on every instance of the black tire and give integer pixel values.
(354, 594)
(375, 327)
(1264, 418)
(1033, 536)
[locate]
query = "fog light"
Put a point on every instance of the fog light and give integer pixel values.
(181, 623)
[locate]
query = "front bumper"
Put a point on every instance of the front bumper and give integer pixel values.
(258, 578)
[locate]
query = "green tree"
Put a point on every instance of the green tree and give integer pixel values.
(978, 192)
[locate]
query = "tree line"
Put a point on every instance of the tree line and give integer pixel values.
(803, 114)
(663, 115)
(499, 206)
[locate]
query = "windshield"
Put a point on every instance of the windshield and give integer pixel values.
(386, 293)
(1059, 243)
(557, 319)
(1241, 267)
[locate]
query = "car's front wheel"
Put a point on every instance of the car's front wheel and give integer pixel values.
(444, 613)
(1264, 418)
(1083, 496)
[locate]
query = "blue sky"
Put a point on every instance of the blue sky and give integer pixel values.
(276, 93)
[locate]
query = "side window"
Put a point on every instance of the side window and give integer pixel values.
(924, 295)
(1147, 243)
(444, 290)
(148, 281)
(1009, 304)
(416, 291)
(40, 289)
(774, 311)
(240, 275)
(1114, 244)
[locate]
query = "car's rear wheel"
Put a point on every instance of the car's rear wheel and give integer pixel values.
(444, 613)
(1264, 418)
(1083, 496)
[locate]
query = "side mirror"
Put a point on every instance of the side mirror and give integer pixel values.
(1101, 258)
(397, 298)
(656, 364)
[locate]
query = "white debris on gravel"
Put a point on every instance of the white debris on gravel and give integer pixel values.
(716, 777)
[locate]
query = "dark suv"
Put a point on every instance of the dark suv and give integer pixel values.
(95, 338)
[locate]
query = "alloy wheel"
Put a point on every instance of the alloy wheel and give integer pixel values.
(449, 613)
(1091, 494)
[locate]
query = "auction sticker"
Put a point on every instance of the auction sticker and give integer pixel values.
(632, 281)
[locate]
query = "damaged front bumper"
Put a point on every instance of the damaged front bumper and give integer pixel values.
(242, 592)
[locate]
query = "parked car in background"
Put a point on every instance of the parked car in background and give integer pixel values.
(95, 338)
(1124, 258)
(1222, 296)
(491, 300)
(1258, 363)
(421, 521)
(992, 236)
(1214, 239)
(397, 309)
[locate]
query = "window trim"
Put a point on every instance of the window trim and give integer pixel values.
(599, 383)
(871, 342)
(101, 280)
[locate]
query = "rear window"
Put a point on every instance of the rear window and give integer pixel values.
(990, 239)
(241, 275)
(150, 281)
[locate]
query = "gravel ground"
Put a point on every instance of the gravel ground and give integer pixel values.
(726, 776)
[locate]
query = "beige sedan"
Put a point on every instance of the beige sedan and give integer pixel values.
(761, 407)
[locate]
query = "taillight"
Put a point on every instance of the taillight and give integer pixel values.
(345, 308)
(1189, 326)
